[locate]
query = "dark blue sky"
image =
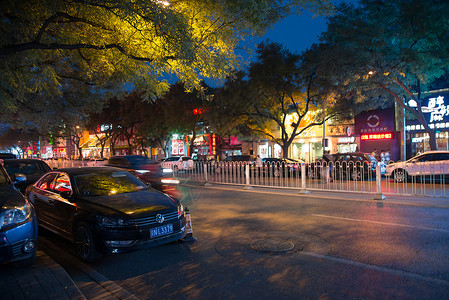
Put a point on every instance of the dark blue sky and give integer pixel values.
(297, 33)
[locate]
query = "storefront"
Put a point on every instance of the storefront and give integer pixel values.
(376, 129)
(347, 144)
(436, 112)
(204, 146)
(229, 146)
(266, 149)
(178, 147)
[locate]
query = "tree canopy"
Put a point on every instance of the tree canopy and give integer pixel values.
(284, 90)
(111, 47)
(395, 48)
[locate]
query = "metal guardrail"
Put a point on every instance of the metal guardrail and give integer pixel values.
(343, 177)
(347, 177)
(63, 163)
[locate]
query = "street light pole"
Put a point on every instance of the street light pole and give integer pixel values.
(405, 138)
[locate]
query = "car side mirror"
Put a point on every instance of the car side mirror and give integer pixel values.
(67, 195)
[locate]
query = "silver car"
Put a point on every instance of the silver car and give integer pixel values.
(431, 165)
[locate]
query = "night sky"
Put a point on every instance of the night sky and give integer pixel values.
(297, 33)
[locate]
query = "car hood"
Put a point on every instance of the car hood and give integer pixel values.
(9, 195)
(135, 204)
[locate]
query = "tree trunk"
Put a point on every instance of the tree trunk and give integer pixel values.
(80, 151)
(191, 143)
(285, 150)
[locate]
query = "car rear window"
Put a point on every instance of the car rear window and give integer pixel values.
(13, 167)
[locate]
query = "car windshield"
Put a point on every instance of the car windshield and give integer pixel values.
(173, 158)
(107, 183)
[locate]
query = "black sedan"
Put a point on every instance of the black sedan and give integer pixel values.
(33, 169)
(106, 210)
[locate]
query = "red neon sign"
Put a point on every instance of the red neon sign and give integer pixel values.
(213, 144)
(377, 136)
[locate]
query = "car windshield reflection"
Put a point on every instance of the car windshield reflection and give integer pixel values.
(107, 183)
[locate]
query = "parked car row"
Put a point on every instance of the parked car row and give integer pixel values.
(108, 209)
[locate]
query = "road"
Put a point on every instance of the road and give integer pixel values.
(271, 244)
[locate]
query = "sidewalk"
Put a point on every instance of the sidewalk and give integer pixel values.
(45, 279)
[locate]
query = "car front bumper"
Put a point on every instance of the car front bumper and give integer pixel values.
(19, 242)
(128, 241)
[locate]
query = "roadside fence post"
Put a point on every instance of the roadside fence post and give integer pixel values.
(205, 175)
(247, 186)
(379, 195)
(303, 189)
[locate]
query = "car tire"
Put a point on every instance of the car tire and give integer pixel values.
(400, 175)
(84, 243)
(310, 173)
(356, 175)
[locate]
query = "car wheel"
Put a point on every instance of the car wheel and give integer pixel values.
(310, 173)
(356, 175)
(276, 172)
(400, 175)
(84, 243)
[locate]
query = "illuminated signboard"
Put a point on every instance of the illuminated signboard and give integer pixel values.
(377, 136)
(213, 144)
(435, 109)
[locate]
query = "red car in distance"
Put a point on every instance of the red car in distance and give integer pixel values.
(148, 171)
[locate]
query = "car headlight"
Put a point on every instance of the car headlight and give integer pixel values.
(170, 181)
(180, 211)
(15, 215)
(110, 221)
(142, 171)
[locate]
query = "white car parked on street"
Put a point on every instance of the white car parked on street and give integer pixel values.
(433, 165)
(177, 163)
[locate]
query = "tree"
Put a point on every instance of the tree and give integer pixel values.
(283, 89)
(186, 110)
(394, 48)
(111, 46)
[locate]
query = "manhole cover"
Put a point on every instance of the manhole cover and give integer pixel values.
(272, 245)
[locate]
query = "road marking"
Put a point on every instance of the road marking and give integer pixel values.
(381, 223)
(377, 268)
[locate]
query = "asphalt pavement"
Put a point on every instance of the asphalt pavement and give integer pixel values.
(46, 279)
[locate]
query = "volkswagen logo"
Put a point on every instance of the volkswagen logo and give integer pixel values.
(160, 218)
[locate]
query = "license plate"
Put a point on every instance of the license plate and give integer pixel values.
(162, 230)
